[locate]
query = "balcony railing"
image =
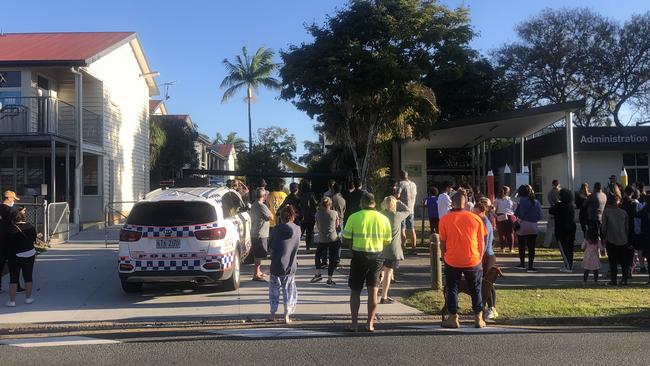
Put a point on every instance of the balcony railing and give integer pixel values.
(46, 115)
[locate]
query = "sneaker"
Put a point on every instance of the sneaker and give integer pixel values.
(489, 314)
(387, 300)
(330, 283)
(495, 314)
(531, 270)
(11, 304)
(316, 278)
(20, 289)
(29, 300)
(522, 266)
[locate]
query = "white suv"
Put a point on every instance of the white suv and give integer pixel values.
(198, 235)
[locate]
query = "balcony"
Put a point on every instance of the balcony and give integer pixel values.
(46, 115)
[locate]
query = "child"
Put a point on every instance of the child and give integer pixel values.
(591, 261)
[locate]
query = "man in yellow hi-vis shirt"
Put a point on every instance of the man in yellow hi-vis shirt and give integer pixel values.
(366, 232)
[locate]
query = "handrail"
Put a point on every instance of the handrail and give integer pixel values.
(109, 209)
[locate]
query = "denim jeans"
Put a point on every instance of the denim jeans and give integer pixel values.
(474, 279)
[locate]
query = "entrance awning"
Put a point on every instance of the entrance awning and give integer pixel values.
(514, 124)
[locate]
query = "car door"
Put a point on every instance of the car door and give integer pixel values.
(236, 211)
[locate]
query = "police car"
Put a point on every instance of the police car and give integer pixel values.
(198, 235)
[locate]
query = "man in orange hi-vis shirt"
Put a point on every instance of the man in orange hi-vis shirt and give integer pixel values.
(462, 235)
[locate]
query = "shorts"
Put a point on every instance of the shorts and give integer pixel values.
(391, 263)
(408, 223)
(260, 247)
(365, 268)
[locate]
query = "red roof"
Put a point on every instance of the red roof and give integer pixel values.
(222, 149)
(153, 104)
(73, 48)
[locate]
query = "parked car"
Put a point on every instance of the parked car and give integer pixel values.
(198, 235)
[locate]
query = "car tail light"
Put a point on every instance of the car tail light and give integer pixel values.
(129, 235)
(211, 234)
(126, 267)
(212, 265)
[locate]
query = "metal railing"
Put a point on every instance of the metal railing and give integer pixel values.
(35, 213)
(46, 115)
(58, 221)
(114, 216)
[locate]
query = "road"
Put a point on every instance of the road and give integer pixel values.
(406, 344)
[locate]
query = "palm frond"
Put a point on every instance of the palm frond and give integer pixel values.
(231, 91)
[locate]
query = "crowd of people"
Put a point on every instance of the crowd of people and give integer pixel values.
(376, 232)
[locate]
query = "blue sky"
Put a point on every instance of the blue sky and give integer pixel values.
(187, 40)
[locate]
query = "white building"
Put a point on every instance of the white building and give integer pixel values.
(56, 87)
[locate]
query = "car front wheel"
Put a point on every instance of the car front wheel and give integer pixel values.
(233, 282)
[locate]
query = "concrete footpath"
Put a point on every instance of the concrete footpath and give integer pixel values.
(78, 282)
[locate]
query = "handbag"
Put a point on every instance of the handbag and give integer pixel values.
(517, 224)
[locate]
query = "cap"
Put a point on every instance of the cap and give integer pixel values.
(11, 194)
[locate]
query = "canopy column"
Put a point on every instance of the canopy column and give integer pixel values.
(570, 150)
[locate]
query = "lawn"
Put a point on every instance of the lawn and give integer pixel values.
(589, 301)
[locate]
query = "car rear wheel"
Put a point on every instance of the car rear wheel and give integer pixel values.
(131, 287)
(233, 282)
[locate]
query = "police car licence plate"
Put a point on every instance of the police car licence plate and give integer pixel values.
(168, 243)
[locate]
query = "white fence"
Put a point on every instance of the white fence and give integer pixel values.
(57, 223)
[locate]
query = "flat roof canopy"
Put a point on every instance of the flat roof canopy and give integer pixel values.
(514, 124)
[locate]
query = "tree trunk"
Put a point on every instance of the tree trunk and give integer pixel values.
(617, 110)
(250, 123)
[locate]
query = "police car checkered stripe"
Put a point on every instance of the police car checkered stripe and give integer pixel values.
(226, 261)
(169, 232)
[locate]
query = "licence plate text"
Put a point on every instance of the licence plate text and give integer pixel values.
(168, 243)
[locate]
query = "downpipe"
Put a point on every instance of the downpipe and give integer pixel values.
(78, 170)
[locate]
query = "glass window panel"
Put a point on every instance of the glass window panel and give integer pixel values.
(643, 176)
(7, 173)
(642, 159)
(629, 159)
(90, 175)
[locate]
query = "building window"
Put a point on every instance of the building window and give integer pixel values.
(636, 165)
(91, 175)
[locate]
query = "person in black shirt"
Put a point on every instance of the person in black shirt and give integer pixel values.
(353, 201)
(6, 208)
(308, 204)
(20, 237)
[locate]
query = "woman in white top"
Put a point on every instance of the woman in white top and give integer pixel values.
(505, 211)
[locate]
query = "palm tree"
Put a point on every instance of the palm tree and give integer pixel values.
(237, 142)
(249, 72)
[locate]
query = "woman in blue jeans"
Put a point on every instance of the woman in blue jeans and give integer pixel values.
(528, 213)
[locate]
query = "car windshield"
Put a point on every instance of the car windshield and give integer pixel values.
(171, 213)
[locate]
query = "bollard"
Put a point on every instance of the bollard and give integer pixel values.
(436, 264)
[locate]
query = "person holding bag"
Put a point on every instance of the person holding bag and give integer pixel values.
(528, 213)
(20, 237)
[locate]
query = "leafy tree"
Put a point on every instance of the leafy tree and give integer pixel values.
(157, 140)
(176, 153)
(631, 72)
(272, 142)
(314, 153)
(277, 141)
(361, 77)
(232, 139)
(562, 55)
(250, 73)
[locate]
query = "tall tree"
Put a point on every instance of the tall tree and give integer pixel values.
(238, 143)
(561, 56)
(176, 153)
(277, 141)
(250, 73)
(630, 76)
(361, 77)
